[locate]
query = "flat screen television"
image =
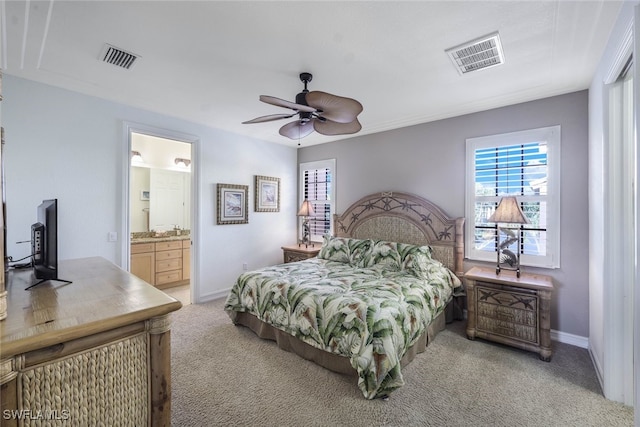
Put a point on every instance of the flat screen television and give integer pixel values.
(44, 243)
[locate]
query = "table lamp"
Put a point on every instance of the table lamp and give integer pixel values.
(508, 212)
(305, 211)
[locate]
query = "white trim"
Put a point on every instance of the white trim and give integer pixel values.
(214, 295)
(622, 55)
(635, 335)
(318, 164)
(597, 364)
(553, 136)
(571, 339)
(619, 249)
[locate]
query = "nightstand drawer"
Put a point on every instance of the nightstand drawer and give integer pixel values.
(299, 253)
(508, 329)
(508, 314)
(506, 296)
(510, 310)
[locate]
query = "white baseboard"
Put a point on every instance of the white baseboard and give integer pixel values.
(213, 296)
(598, 367)
(572, 339)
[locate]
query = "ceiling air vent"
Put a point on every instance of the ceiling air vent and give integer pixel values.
(116, 56)
(477, 54)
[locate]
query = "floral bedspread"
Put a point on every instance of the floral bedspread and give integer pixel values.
(371, 315)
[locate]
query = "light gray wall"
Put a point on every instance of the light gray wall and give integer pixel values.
(429, 160)
(60, 144)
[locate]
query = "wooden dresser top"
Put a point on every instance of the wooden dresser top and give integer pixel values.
(101, 297)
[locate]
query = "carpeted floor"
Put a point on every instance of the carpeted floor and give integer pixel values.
(223, 375)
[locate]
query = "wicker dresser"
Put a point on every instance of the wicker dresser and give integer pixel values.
(93, 352)
(510, 310)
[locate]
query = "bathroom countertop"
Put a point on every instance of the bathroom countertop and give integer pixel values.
(159, 239)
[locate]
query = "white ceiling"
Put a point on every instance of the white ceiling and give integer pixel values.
(208, 61)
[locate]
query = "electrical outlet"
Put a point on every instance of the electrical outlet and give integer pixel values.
(112, 236)
(245, 266)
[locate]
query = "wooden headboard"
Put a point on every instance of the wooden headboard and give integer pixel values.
(405, 218)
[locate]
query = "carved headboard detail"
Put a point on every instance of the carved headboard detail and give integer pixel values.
(405, 218)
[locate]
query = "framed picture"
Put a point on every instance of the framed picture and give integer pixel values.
(267, 196)
(144, 194)
(232, 204)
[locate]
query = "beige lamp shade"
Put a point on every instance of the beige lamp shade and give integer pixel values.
(508, 212)
(306, 209)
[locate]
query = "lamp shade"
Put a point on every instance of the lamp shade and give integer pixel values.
(508, 212)
(306, 209)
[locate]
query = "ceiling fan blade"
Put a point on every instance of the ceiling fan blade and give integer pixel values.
(335, 108)
(269, 118)
(286, 104)
(296, 130)
(333, 128)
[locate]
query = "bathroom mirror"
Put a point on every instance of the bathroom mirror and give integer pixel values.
(160, 199)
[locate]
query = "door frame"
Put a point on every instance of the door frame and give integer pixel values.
(125, 230)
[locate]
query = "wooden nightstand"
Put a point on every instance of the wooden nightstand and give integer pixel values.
(510, 310)
(298, 253)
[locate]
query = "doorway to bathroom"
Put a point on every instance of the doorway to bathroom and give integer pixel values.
(160, 212)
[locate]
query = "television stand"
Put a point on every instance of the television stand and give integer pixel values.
(46, 280)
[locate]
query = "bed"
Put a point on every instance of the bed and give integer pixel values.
(374, 297)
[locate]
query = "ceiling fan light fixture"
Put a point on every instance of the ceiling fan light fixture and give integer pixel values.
(323, 112)
(483, 52)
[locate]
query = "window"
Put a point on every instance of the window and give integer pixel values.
(524, 164)
(317, 184)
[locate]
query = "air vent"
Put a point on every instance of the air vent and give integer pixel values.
(484, 52)
(116, 56)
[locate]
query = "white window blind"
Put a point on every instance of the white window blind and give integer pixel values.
(522, 164)
(317, 181)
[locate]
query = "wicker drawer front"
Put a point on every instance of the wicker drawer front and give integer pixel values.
(294, 256)
(107, 385)
(510, 314)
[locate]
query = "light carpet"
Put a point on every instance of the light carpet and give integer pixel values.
(224, 375)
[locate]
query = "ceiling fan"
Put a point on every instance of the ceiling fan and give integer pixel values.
(323, 112)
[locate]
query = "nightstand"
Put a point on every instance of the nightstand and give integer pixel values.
(298, 253)
(510, 310)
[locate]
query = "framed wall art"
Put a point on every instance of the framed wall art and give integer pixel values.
(232, 205)
(267, 195)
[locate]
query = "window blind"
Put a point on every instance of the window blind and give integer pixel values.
(525, 164)
(317, 190)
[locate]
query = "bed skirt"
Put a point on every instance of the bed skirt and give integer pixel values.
(331, 361)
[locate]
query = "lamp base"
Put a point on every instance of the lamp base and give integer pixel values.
(508, 259)
(516, 269)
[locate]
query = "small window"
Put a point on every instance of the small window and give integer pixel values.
(317, 185)
(522, 164)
